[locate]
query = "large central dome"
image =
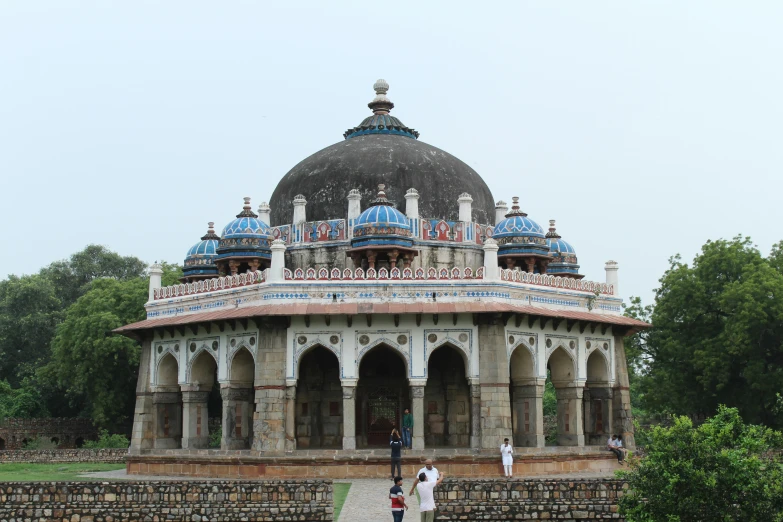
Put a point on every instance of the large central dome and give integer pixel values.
(381, 150)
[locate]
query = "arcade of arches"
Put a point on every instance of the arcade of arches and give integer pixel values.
(322, 412)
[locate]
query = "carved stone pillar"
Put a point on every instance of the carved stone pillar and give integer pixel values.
(233, 267)
(290, 418)
(237, 422)
(417, 395)
(622, 420)
(494, 376)
(349, 417)
(167, 420)
(528, 415)
(195, 419)
(143, 433)
(570, 424)
(475, 416)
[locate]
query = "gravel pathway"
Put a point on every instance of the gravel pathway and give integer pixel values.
(368, 501)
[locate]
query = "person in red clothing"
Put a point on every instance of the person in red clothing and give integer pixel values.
(398, 504)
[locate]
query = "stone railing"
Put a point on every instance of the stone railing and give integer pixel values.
(517, 276)
(502, 499)
(302, 500)
(65, 455)
(209, 285)
(383, 274)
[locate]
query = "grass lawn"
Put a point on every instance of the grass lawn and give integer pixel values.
(339, 494)
(17, 472)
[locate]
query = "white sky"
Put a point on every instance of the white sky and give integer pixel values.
(645, 128)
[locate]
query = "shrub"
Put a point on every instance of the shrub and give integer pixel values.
(215, 436)
(39, 444)
(106, 441)
(723, 471)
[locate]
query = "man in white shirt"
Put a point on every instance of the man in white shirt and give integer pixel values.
(426, 489)
(611, 445)
(429, 470)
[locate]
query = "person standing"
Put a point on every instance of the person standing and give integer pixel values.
(507, 455)
(426, 489)
(398, 505)
(407, 429)
(429, 470)
(396, 446)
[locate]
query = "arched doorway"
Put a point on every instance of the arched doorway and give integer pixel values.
(319, 401)
(446, 400)
(167, 405)
(201, 401)
(562, 369)
(382, 394)
(2, 444)
(527, 394)
(237, 402)
(597, 399)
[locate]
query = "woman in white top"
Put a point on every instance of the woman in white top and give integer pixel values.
(506, 452)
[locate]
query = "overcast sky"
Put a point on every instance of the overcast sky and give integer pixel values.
(644, 128)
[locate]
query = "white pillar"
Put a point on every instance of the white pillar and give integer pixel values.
(354, 204)
(465, 208)
(611, 276)
(278, 261)
(491, 269)
(156, 271)
(412, 203)
(501, 209)
(299, 209)
(263, 212)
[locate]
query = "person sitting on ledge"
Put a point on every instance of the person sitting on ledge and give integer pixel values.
(611, 445)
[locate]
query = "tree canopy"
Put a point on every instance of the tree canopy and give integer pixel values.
(717, 335)
(724, 470)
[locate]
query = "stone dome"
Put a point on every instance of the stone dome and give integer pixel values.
(381, 150)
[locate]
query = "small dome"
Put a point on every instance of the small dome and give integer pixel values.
(381, 223)
(517, 224)
(246, 224)
(564, 260)
(200, 259)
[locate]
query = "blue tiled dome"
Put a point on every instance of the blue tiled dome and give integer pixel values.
(245, 237)
(518, 225)
(200, 259)
(560, 247)
(381, 225)
(564, 260)
(520, 236)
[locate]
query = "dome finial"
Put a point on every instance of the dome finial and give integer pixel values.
(210, 232)
(515, 211)
(246, 212)
(380, 199)
(552, 231)
(381, 104)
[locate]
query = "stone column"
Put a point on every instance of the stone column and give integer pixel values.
(494, 377)
(528, 415)
(598, 414)
(167, 420)
(143, 432)
(417, 409)
(349, 417)
(270, 385)
(195, 419)
(237, 419)
(290, 418)
(622, 420)
(475, 416)
(570, 423)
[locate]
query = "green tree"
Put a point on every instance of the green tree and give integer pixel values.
(721, 471)
(71, 277)
(97, 369)
(25, 401)
(717, 335)
(29, 314)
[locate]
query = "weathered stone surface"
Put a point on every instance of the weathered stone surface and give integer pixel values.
(365, 161)
(301, 500)
(65, 455)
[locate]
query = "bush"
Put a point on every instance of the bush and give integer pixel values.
(215, 436)
(106, 441)
(723, 470)
(39, 444)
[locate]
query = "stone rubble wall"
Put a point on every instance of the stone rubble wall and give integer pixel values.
(501, 499)
(305, 500)
(67, 431)
(65, 455)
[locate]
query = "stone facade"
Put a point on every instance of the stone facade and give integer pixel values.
(65, 455)
(65, 432)
(304, 500)
(534, 500)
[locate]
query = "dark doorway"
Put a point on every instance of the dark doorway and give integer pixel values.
(2, 444)
(319, 401)
(446, 400)
(382, 394)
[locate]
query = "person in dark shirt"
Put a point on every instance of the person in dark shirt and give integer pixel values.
(398, 505)
(396, 447)
(407, 429)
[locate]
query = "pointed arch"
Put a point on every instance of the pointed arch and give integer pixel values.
(562, 367)
(522, 364)
(167, 372)
(383, 343)
(242, 367)
(202, 370)
(598, 368)
(454, 345)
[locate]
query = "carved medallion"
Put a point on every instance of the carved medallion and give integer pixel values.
(587, 344)
(252, 341)
(402, 339)
(215, 345)
(510, 339)
(432, 337)
(572, 344)
(532, 341)
(160, 349)
(301, 339)
(364, 339)
(463, 337)
(233, 342)
(549, 343)
(334, 339)
(606, 346)
(192, 347)
(176, 348)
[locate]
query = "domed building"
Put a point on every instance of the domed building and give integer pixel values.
(306, 329)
